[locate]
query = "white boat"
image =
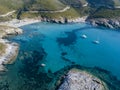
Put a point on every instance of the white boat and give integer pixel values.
(83, 36)
(43, 65)
(96, 42)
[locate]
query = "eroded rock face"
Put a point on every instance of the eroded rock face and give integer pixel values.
(81, 80)
(10, 53)
(62, 20)
(7, 30)
(10, 49)
(110, 23)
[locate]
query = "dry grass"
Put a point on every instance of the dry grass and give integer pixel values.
(2, 48)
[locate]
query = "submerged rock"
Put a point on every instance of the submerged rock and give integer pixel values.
(81, 80)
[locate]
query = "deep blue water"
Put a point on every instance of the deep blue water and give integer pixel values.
(62, 45)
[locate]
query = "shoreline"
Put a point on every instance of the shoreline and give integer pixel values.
(18, 23)
(11, 52)
(13, 28)
(84, 79)
(9, 49)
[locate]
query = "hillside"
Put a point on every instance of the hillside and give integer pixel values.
(57, 8)
(9, 5)
(106, 3)
(47, 5)
(24, 7)
(74, 3)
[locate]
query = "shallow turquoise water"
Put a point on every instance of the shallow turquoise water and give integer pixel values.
(81, 51)
(62, 45)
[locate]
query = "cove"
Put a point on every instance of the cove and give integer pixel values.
(60, 45)
(55, 39)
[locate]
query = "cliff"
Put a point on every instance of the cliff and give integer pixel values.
(109, 23)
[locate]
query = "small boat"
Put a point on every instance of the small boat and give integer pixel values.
(43, 65)
(83, 36)
(96, 42)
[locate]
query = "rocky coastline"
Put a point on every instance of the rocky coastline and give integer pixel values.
(81, 80)
(105, 22)
(63, 20)
(112, 23)
(87, 78)
(11, 52)
(15, 48)
(10, 49)
(12, 27)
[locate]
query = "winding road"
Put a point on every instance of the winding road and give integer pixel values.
(8, 14)
(62, 10)
(11, 12)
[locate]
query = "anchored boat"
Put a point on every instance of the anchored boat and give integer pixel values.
(83, 36)
(96, 42)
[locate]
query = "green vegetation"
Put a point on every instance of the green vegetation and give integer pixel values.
(7, 18)
(47, 5)
(98, 3)
(106, 3)
(28, 15)
(83, 11)
(2, 48)
(94, 9)
(106, 13)
(9, 5)
(74, 3)
(71, 13)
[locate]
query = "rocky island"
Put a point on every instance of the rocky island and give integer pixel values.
(81, 80)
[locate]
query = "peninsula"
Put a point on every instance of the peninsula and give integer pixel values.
(8, 50)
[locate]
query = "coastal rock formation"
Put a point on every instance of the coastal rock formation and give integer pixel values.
(110, 23)
(8, 50)
(63, 20)
(10, 53)
(7, 30)
(81, 80)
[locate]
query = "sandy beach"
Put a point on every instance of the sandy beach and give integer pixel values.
(19, 23)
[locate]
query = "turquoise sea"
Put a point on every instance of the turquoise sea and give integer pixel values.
(58, 46)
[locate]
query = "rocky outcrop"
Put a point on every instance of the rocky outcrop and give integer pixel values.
(10, 49)
(81, 80)
(10, 53)
(7, 30)
(110, 23)
(64, 20)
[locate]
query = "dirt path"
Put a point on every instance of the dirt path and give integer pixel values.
(63, 10)
(8, 14)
